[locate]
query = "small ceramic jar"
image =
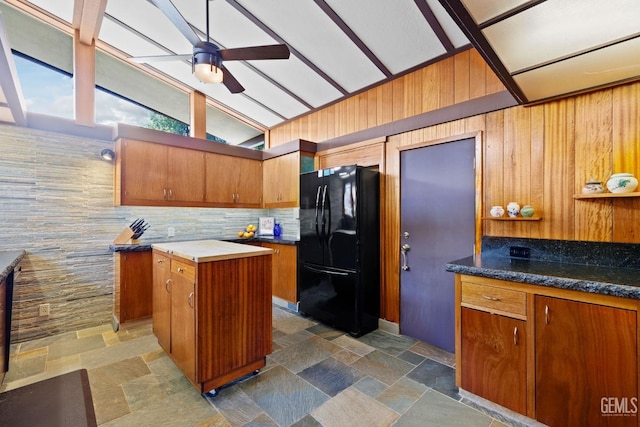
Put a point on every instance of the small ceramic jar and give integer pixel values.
(496, 211)
(622, 183)
(513, 209)
(593, 187)
(527, 211)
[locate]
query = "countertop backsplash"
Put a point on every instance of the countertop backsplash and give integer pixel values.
(622, 255)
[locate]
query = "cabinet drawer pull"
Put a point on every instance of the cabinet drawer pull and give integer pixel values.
(490, 298)
(180, 269)
(166, 285)
(160, 261)
(164, 193)
(515, 336)
(546, 314)
(190, 300)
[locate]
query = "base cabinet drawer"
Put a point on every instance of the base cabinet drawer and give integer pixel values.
(494, 299)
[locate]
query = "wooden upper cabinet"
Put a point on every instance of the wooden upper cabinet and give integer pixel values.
(586, 363)
(281, 181)
(185, 175)
(233, 181)
(141, 169)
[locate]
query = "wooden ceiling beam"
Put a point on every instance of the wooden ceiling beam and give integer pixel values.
(87, 18)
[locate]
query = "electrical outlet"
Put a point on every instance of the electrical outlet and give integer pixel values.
(519, 252)
(171, 232)
(43, 309)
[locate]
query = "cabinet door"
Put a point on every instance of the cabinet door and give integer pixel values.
(281, 181)
(494, 358)
(586, 364)
(136, 282)
(185, 175)
(183, 318)
(221, 176)
(143, 171)
(162, 299)
(284, 261)
(249, 186)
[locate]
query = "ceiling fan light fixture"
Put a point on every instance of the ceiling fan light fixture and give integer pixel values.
(207, 63)
(208, 73)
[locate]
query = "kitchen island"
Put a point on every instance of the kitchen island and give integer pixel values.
(212, 308)
(556, 342)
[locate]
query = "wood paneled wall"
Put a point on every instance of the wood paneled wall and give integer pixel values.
(539, 155)
(448, 82)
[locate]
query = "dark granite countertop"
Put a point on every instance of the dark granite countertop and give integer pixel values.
(622, 282)
(146, 245)
(8, 261)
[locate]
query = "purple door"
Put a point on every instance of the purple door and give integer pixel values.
(437, 220)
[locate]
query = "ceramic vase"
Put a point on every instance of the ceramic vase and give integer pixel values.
(622, 183)
(527, 211)
(513, 209)
(593, 187)
(497, 211)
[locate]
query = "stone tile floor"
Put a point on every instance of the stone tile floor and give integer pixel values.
(316, 376)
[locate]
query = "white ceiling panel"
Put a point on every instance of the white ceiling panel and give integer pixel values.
(296, 76)
(63, 9)
(600, 67)
(555, 29)
(6, 116)
(147, 19)
(453, 32)
(318, 39)
(484, 10)
(129, 43)
(265, 93)
(394, 31)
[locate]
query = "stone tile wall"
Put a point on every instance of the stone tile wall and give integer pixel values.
(57, 204)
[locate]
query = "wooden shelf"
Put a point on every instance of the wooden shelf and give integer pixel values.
(508, 218)
(606, 195)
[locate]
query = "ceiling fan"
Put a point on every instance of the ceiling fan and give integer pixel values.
(207, 58)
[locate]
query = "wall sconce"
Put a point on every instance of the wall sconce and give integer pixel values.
(108, 155)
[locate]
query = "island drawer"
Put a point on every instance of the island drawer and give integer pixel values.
(186, 270)
(494, 299)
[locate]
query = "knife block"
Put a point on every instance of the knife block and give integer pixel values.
(125, 237)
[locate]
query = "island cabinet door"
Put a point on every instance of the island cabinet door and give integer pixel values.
(161, 297)
(494, 358)
(183, 318)
(586, 364)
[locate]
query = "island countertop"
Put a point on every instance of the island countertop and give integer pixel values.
(210, 250)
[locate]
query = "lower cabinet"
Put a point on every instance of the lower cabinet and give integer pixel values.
(213, 318)
(564, 358)
(133, 286)
(586, 364)
(284, 273)
(494, 358)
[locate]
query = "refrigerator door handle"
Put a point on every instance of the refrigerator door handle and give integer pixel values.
(317, 205)
(324, 196)
(320, 270)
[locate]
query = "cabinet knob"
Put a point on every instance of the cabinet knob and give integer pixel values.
(160, 261)
(180, 269)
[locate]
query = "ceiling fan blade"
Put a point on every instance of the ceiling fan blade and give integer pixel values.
(274, 51)
(161, 58)
(171, 12)
(230, 82)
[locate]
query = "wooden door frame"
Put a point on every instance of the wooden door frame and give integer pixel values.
(478, 182)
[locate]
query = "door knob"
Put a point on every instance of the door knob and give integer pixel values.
(406, 247)
(403, 250)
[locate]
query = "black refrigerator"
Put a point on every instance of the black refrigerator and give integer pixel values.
(339, 249)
